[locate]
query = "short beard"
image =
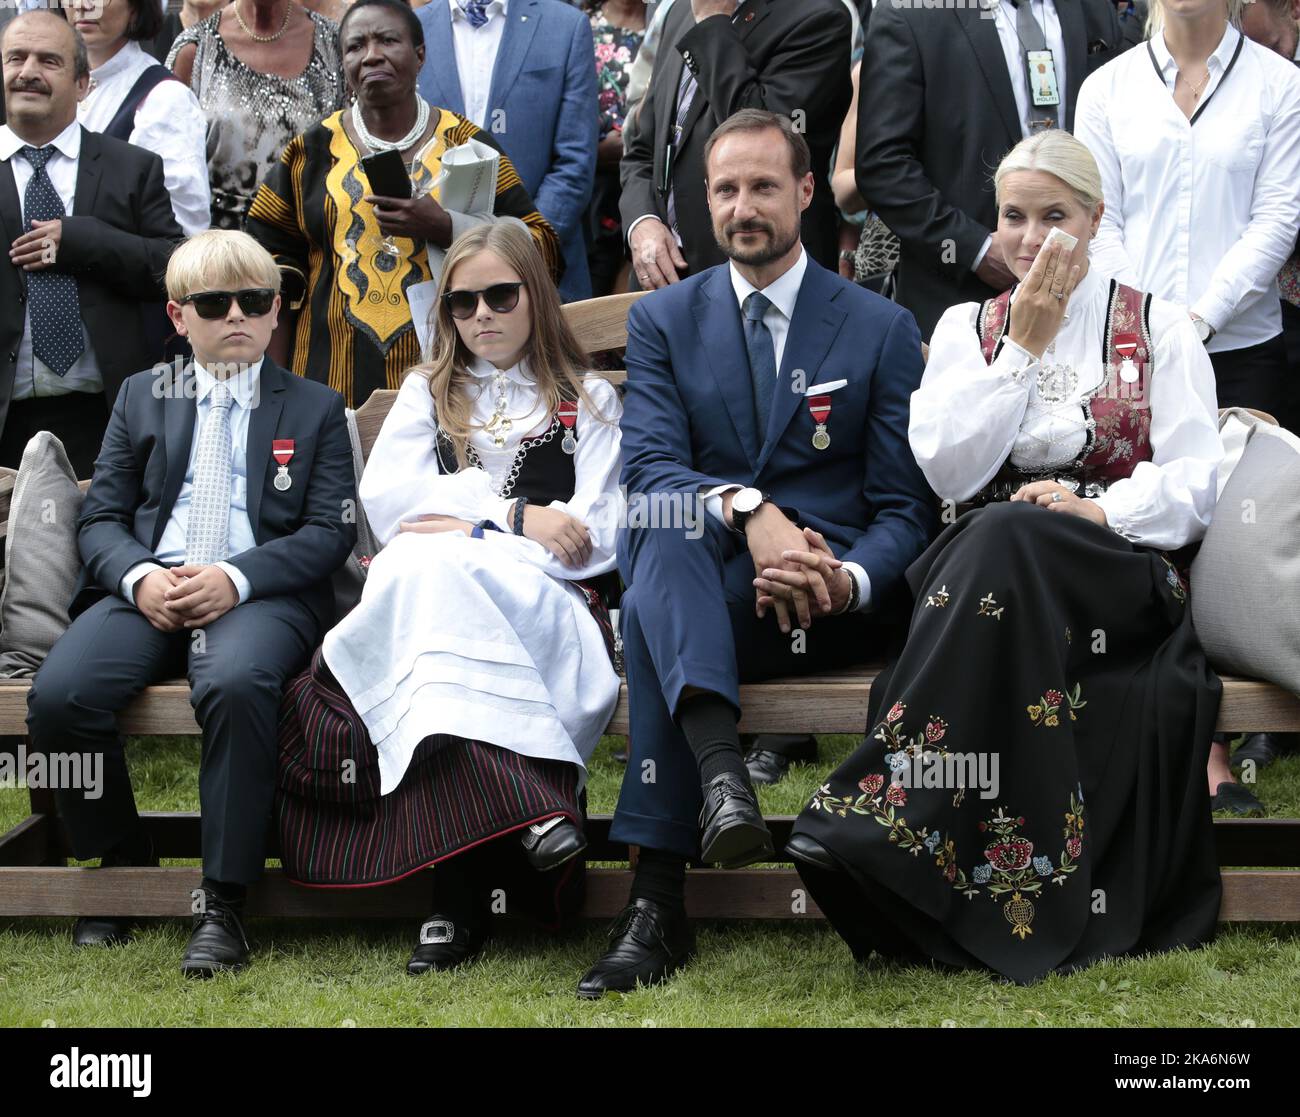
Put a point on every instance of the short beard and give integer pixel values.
(756, 257)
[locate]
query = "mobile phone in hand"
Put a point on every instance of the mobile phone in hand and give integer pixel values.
(386, 171)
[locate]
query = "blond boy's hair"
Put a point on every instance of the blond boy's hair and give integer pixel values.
(220, 260)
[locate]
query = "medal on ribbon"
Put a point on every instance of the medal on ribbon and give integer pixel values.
(819, 407)
(282, 451)
(1126, 345)
(567, 413)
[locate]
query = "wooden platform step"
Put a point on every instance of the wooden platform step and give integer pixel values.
(1249, 895)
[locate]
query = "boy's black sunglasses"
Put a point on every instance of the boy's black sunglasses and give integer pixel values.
(253, 301)
(501, 298)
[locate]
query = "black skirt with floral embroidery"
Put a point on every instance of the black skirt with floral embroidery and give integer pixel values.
(1031, 795)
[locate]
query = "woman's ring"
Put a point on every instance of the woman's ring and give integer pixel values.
(1058, 294)
(1056, 497)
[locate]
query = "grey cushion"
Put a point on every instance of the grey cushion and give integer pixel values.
(1246, 578)
(42, 563)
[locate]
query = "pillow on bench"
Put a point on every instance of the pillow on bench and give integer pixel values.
(42, 563)
(1246, 577)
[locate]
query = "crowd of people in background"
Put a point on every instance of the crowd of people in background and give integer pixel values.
(631, 145)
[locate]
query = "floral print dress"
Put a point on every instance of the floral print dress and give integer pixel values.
(616, 49)
(1031, 793)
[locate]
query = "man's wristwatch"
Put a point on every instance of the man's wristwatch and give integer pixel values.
(1203, 330)
(744, 504)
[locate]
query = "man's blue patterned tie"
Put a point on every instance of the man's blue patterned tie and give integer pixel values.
(57, 337)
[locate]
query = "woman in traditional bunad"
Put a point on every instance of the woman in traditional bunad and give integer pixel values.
(448, 719)
(1031, 794)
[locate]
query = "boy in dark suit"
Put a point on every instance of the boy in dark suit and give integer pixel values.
(222, 501)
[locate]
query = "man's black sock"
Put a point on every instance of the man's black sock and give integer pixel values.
(660, 877)
(709, 724)
(232, 895)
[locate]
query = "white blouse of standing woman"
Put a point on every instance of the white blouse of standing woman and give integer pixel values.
(969, 417)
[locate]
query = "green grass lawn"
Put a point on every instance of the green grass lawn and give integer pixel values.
(335, 974)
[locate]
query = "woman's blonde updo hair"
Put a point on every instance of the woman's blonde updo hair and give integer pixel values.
(1055, 153)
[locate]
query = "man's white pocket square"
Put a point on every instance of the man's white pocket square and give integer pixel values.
(824, 389)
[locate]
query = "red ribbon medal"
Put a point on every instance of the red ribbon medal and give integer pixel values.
(819, 407)
(1126, 346)
(567, 413)
(282, 451)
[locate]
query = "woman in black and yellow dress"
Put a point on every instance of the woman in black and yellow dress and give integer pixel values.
(359, 254)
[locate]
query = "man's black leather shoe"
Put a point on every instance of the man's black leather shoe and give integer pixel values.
(446, 944)
(768, 766)
(114, 930)
(812, 852)
(1264, 748)
(101, 930)
(732, 831)
(648, 944)
(549, 846)
(217, 942)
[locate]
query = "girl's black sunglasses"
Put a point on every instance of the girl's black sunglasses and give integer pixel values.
(501, 298)
(253, 301)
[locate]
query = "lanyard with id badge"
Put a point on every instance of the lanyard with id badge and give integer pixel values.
(1040, 67)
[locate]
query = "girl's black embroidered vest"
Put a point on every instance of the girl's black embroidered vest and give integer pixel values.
(540, 471)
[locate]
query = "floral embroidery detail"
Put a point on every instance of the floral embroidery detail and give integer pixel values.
(1045, 712)
(938, 600)
(1009, 867)
(987, 609)
(1177, 584)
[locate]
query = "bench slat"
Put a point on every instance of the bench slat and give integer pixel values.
(823, 704)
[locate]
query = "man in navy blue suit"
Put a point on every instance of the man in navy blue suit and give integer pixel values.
(223, 500)
(525, 71)
(775, 394)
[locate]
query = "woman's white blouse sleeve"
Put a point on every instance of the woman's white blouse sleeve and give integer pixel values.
(1168, 501)
(967, 413)
(402, 478)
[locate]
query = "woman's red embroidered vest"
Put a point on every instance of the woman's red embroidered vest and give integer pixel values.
(1119, 411)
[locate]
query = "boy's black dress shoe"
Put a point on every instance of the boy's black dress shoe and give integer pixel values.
(114, 930)
(733, 833)
(648, 944)
(217, 942)
(1264, 748)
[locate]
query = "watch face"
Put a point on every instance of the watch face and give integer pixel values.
(746, 500)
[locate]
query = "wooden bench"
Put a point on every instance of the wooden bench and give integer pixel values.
(36, 881)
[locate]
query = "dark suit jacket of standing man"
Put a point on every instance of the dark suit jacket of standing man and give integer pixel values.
(786, 56)
(116, 241)
(936, 114)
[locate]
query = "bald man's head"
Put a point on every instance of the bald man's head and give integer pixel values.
(46, 72)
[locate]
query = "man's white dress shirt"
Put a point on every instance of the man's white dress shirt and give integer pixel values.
(476, 56)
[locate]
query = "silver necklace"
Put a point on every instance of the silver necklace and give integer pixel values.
(376, 144)
(1056, 382)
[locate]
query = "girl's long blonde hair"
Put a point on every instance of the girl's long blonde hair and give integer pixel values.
(555, 358)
